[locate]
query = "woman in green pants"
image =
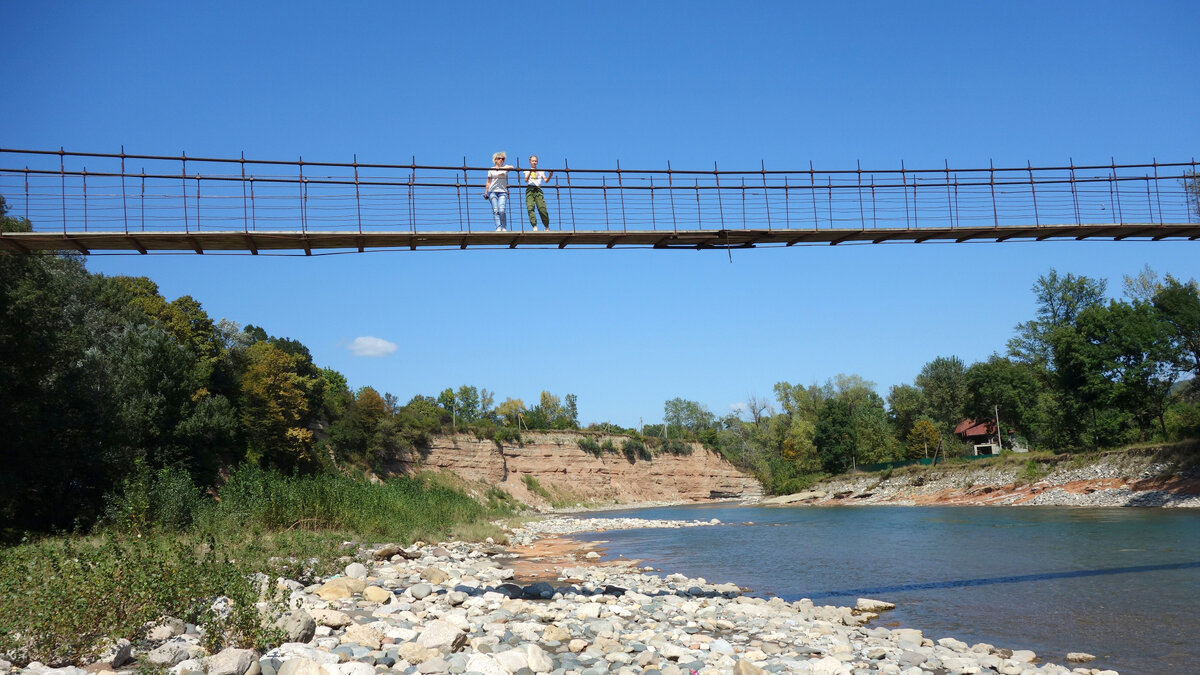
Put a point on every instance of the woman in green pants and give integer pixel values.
(534, 199)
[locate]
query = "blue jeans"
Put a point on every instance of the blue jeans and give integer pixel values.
(499, 200)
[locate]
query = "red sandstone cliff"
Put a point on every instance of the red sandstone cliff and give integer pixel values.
(569, 474)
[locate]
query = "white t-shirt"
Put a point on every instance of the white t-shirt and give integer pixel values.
(499, 180)
(535, 178)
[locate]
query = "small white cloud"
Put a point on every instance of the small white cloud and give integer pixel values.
(737, 407)
(371, 346)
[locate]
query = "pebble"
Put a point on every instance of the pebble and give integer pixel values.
(453, 608)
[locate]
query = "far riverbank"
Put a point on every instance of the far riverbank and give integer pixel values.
(1127, 478)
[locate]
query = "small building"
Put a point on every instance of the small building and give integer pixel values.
(981, 435)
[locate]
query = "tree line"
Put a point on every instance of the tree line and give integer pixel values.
(1087, 372)
(101, 377)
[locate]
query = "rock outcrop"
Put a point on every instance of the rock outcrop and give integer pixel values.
(551, 467)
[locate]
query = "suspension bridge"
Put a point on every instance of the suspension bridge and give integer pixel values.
(116, 202)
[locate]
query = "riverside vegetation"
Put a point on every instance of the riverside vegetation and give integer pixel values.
(165, 548)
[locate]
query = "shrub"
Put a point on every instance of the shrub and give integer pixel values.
(536, 488)
(1033, 471)
(633, 450)
(677, 447)
(607, 446)
(590, 446)
(114, 588)
(148, 500)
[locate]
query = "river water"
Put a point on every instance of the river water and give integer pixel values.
(1119, 583)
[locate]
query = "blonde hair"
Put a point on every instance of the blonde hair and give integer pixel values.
(499, 155)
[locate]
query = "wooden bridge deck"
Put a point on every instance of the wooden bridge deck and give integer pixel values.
(289, 240)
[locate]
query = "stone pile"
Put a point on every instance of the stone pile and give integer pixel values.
(455, 608)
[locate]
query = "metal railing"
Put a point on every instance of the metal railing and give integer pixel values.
(79, 192)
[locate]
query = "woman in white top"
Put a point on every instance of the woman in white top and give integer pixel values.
(496, 189)
(534, 199)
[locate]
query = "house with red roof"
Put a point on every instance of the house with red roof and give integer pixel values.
(981, 435)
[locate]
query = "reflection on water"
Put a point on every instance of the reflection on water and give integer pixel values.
(1117, 583)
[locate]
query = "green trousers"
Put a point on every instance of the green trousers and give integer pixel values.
(535, 199)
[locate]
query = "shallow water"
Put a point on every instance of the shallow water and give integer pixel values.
(1119, 583)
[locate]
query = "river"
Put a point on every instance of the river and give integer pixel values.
(1118, 583)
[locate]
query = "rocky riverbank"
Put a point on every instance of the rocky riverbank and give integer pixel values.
(468, 608)
(1116, 479)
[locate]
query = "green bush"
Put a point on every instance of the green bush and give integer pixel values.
(166, 500)
(677, 447)
(113, 588)
(590, 446)
(536, 488)
(1033, 471)
(634, 449)
(607, 446)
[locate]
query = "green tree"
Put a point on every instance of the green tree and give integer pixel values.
(943, 384)
(1083, 406)
(906, 404)
(1014, 387)
(922, 439)
(1059, 300)
(793, 430)
(833, 437)
(1179, 306)
(682, 414)
(1143, 286)
(468, 400)
(1140, 358)
(336, 396)
(571, 411)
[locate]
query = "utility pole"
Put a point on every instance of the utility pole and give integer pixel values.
(996, 411)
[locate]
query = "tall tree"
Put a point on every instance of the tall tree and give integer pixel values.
(1013, 387)
(793, 430)
(1179, 305)
(274, 409)
(681, 413)
(943, 384)
(1140, 358)
(833, 437)
(1059, 300)
(906, 403)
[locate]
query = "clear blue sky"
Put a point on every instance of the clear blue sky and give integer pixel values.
(689, 82)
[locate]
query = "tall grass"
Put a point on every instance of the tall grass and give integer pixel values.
(401, 509)
(166, 550)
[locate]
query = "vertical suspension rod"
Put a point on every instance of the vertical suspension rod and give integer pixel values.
(720, 202)
(766, 198)
(621, 191)
(124, 206)
(812, 189)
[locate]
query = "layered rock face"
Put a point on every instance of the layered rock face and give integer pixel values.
(569, 474)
